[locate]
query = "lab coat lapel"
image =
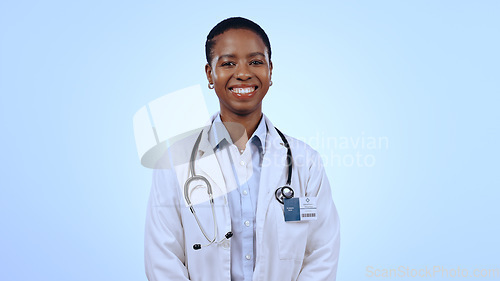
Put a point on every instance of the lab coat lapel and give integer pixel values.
(208, 166)
(273, 173)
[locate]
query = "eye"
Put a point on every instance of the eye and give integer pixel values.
(256, 62)
(227, 63)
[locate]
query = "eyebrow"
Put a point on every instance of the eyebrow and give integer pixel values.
(249, 56)
(256, 54)
(227, 56)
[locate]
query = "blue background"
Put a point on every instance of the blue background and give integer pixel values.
(424, 75)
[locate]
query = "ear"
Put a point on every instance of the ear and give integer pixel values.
(208, 72)
(270, 69)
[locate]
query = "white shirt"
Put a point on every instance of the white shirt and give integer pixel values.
(241, 171)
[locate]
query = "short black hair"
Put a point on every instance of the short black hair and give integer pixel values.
(234, 23)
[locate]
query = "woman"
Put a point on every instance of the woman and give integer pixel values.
(259, 179)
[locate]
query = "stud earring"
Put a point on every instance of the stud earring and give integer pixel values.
(210, 85)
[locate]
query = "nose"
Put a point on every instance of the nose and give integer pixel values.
(242, 72)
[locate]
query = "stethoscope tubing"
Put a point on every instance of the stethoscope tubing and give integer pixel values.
(194, 177)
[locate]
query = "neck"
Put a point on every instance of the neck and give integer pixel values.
(240, 127)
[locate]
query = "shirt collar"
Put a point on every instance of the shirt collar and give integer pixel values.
(261, 133)
(218, 135)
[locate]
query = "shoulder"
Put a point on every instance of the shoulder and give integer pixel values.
(178, 152)
(303, 154)
(166, 171)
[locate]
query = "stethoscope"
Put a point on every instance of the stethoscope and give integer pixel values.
(281, 193)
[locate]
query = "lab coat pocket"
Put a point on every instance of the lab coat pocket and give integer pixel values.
(292, 236)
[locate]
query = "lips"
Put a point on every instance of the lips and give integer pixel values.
(243, 91)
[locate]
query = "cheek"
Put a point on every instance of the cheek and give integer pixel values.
(265, 75)
(220, 77)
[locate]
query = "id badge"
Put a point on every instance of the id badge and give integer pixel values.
(300, 209)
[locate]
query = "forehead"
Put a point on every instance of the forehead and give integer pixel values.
(238, 41)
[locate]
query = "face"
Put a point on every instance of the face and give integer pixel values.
(240, 71)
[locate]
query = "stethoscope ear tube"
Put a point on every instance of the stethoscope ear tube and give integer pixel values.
(193, 154)
(192, 178)
(195, 177)
(285, 191)
(288, 157)
(188, 201)
(227, 236)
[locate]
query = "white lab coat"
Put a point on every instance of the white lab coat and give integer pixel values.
(305, 251)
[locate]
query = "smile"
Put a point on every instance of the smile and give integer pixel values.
(243, 91)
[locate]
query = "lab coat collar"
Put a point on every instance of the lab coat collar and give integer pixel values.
(270, 176)
(271, 138)
(219, 136)
(218, 133)
(207, 162)
(205, 146)
(261, 133)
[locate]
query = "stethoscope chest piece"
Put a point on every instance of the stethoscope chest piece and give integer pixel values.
(283, 192)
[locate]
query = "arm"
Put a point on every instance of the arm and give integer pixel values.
(323, 242)
(164, 255)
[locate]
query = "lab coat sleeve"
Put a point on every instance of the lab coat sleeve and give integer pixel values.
(164, 255)
(323, 242)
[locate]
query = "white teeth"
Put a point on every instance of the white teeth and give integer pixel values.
(243, 90)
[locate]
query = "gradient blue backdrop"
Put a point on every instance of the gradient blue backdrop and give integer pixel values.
(423, 75)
